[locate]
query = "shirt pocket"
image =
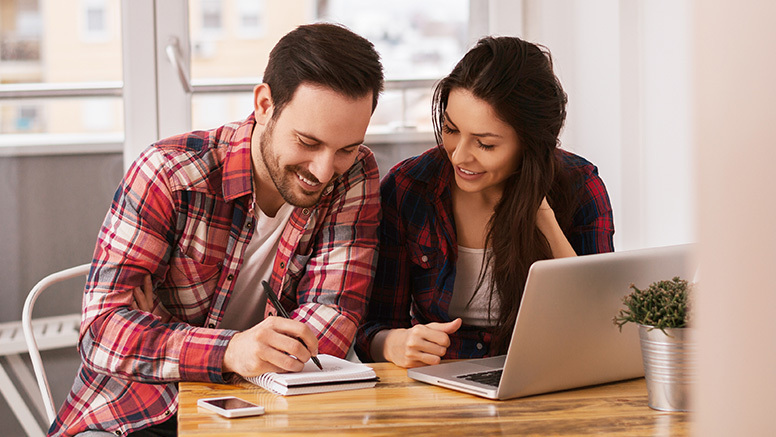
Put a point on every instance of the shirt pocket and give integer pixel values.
(298, 263)
(190, 283)
(421, 256)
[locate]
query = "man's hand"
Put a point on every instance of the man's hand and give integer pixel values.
(144, 296)
(271, 346)
(420, 345)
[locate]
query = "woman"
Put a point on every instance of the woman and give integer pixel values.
(463, 222)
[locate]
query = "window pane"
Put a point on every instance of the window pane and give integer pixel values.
(233, 52)
(415, 39)
(251, 18)
(61, 116)
(238, 52)
(95, 20)
(42, 45)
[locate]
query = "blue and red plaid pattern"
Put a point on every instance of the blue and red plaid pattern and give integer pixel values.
(418, 247)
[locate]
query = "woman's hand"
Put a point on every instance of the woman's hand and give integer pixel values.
(144, 296)
(545, 216)
(420, 345)
(549, 227)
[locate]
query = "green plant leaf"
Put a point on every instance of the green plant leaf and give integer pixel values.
(663, 305)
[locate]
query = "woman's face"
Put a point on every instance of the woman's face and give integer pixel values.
(484, 150)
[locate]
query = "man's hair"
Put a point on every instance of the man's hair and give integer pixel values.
(323, 54)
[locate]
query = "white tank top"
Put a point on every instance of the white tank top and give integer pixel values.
(467, 272)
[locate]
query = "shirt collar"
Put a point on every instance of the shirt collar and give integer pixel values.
(237, 173)
(436, 175)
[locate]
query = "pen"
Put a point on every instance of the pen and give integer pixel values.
(282, 312)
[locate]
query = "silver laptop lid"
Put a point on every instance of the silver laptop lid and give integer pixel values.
(564, 336)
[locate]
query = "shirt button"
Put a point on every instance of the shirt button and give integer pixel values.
(249, 225)
(424, 258)
(230, 277)
(211, 325)
(479, 346)
(306, 211)
(117, 432)
(167, 413)
(282, 265)
(328, 189)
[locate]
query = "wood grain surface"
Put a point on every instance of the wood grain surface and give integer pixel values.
(398, 405)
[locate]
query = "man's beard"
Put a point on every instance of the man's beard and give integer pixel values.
(285, 179)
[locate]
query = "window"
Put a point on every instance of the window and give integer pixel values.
(211, 17)
(95, 22)
(250, 18)
(28, 119)
(416, 40)
(59, 63)
(228, 45)
(418, 43)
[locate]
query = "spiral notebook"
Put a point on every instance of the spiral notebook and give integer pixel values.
(337, 374)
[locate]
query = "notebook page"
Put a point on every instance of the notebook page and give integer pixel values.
(334, 369)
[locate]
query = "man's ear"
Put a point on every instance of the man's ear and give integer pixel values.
(262, 103)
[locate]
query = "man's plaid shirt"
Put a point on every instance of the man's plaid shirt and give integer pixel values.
(184, 214)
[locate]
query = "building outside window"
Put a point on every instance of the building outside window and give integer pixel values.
(95, 20)
(229, 41)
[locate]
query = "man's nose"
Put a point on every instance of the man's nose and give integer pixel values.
(322, 166)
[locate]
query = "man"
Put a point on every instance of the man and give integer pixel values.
(288, 195)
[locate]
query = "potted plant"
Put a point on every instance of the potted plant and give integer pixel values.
(662, 311)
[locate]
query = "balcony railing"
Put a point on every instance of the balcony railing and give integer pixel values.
(11, 144)
(114, 88)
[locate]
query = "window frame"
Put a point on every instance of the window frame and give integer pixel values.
(171, 99)
(156, 105)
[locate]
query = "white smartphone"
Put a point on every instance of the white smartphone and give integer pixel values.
(230, 406)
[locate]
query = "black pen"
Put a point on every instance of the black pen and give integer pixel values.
(282, 312)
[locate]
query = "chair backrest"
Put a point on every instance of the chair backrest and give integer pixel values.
(51, 337)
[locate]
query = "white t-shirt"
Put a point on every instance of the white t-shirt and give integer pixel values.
(246, 305)
(467, 272)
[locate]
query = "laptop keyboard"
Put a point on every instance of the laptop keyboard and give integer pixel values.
(490, 377)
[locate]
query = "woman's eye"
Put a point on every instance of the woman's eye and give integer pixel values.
(448, 130)
(485, 146)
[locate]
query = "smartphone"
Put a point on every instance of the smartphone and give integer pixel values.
(231, 406)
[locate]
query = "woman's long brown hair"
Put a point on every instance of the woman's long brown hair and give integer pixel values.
(516, 78)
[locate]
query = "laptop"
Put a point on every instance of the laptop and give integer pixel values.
(564, 336)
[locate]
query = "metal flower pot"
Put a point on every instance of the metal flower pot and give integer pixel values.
(668, 367)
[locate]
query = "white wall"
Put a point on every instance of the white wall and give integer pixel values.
(673, 100)
(625, 66)
(733, 84)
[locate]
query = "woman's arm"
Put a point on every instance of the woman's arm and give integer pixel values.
(548, 225)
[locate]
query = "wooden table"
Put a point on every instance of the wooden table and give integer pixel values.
(399, 405)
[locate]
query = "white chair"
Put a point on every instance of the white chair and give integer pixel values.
(39, 334)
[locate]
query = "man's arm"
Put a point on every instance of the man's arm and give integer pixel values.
(137, 239)
(389, 306)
